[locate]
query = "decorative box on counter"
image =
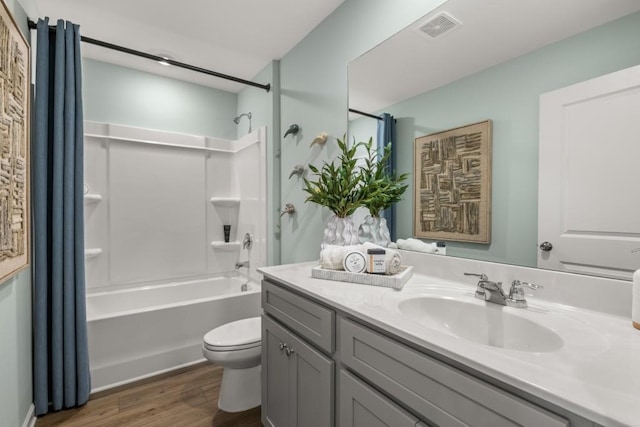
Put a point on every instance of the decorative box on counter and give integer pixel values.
(395, 281)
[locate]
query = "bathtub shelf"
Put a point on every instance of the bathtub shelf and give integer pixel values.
(92, 253)
(219, 245)
(92, 198)
(227, 202)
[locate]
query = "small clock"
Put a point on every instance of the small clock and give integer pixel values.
(355, 262)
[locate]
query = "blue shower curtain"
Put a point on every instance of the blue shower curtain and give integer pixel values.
(387, 135)
(60, 351)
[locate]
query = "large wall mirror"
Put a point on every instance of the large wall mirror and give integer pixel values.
(495, 62)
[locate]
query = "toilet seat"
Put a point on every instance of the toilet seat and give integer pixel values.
(239, 335)
(230, 347)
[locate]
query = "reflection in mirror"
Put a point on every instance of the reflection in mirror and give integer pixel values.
(495, 63)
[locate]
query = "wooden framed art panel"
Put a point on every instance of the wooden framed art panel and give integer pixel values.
(452, 184)
(14, 147)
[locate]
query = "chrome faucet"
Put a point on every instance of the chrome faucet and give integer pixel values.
(488, 290)
(240, 264)
(492, 291)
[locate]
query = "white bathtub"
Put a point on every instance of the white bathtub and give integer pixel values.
(136, 333)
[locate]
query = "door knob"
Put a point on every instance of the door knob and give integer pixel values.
(546, 246)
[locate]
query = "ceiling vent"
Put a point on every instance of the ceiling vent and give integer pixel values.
(438, 25)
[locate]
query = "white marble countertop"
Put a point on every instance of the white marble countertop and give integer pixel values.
(595, 374)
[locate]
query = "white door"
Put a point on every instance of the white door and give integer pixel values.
(589, 176)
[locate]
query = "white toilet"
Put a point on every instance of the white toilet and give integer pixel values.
(236, 347)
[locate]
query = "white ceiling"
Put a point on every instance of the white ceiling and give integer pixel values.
(492, 31)
(238, 37)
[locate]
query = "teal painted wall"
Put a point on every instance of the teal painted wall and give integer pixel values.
(509, 94)
(314, 95)
(115, 94)
(16, 393)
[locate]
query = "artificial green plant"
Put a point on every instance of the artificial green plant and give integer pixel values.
(343, 186)
(339, 184)
(384, 186)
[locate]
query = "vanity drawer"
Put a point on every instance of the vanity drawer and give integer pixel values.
(312, 321)
(444, 395)
(362, 406)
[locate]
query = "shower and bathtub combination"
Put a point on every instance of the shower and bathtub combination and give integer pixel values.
(159, 271)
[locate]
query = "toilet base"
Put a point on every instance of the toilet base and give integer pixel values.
(240, 389)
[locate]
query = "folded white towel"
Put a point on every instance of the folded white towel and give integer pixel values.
(417, 245)
(331, 256)
(392, 258)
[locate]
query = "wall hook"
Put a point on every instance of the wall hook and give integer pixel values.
(288, 209)
(293, 129)
(297, 170)
(320, 139)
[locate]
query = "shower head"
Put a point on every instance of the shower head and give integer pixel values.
(236, 120)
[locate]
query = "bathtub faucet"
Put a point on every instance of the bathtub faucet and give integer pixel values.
(240, 264)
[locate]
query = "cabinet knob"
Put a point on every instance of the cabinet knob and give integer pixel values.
(283, 346)
(289, 351)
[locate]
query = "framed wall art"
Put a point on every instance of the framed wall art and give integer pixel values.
(452, 188)
(14, 147)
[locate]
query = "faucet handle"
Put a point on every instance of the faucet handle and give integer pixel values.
(482, 276)
(516, 293)
(480, 291)
(247, 241)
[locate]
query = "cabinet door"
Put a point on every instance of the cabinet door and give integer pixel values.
(311, 379)
(275, 375)
(362, 406)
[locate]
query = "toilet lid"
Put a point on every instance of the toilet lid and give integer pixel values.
(240, 334)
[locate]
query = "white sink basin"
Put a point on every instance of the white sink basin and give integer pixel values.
(486, 323)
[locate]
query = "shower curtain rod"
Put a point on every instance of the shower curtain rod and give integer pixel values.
(267, 87)
(373, 116)
(362, 113)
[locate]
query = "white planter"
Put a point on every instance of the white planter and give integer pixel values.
(340, 231)
(374, 229)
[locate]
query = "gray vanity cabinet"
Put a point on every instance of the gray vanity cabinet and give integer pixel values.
(316, 358)
(298, 380)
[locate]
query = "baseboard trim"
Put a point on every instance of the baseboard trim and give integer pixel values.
(30, 418)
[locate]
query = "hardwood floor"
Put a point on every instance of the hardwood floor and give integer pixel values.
(187, 397)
